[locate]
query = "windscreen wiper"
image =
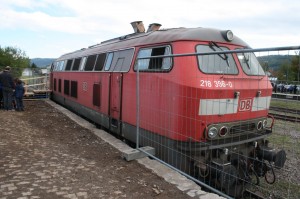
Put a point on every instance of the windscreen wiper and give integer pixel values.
(246, 60)
(213, 44)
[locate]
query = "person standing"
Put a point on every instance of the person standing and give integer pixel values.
(8, 86)
(1, 95)
(19, 93)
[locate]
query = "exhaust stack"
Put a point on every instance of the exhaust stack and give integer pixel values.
(138, 26)
(153, 27)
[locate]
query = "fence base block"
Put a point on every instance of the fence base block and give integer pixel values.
(133, 154)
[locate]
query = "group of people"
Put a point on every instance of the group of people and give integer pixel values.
(285, 88)
(11, 91)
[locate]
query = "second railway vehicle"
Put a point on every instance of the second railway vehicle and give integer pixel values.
(205, 112)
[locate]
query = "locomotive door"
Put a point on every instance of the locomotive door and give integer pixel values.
(115, 102)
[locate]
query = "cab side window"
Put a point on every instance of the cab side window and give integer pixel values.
(155, 63)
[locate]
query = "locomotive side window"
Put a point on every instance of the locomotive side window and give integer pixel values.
(250, 64)
(108, 61)
(96, 94)
(66, 87)
(82, 64)
(54, 84)
(69, 64)
(59, 85)
(154, 64)
(74, 86)
(216, 63)
(61, 65)
(76, 64)
(56, 66)
(90, 63)
(122, 60)
(100, 62)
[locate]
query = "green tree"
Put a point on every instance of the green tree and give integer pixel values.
(284, 71)
(295, 67)
(33, 65)
(15, 58)
(289, 70)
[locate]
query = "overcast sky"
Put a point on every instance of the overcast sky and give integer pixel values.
(50, 28)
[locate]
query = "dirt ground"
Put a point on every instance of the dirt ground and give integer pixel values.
(44, 154)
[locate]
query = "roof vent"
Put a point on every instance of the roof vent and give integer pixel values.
(138, 26)
(153, 27)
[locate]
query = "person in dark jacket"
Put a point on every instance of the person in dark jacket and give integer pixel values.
(8, 86)
(19, 93)
(1, 95)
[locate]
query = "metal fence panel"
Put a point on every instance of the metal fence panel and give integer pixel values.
(217, 118)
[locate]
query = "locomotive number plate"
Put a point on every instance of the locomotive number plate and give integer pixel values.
(245, 105)
(216, 84)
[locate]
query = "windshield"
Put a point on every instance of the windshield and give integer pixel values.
(250, 64)
(215, 63)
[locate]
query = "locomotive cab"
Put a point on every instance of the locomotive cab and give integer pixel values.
(233, 110)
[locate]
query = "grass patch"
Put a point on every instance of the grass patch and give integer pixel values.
(281, 189)
(288, 104)
(285, 142)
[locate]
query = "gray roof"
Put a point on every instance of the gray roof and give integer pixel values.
(155, 37)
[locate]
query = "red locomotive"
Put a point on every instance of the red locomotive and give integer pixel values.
(205, 111)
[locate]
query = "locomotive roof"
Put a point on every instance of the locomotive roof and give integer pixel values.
(155, 37)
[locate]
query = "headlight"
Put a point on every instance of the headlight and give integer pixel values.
(265, 122)
(223, 131)
(259, 125)
(227, 35)
(212, 132)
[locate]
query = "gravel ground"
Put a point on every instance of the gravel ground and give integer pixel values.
(44, 154)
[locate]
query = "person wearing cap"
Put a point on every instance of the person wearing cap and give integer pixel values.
(8, 86)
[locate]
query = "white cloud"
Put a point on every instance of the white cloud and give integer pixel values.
(257, 22)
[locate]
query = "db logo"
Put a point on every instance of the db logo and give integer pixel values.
(84, 86)
(245, 105)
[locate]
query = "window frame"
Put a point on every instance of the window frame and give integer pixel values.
(243, 67)
(91, 58)
(82, 63)
(75, 63)
(101, 63)
(161, 69)
(121, 60)
(215, 72)
(69, 64)
(108, 60)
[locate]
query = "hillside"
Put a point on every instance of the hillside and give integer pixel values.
(275, 61)
(42, 62)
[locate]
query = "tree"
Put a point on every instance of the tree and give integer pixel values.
(33, 65)
(295, 66)
(289, 70)
(15, 58)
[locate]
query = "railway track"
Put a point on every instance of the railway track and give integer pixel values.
(285, 110)
(285, 117)
(290, 115)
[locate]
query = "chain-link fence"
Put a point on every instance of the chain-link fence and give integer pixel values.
(211, 116)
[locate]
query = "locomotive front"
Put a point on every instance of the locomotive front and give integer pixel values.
(233, 111)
